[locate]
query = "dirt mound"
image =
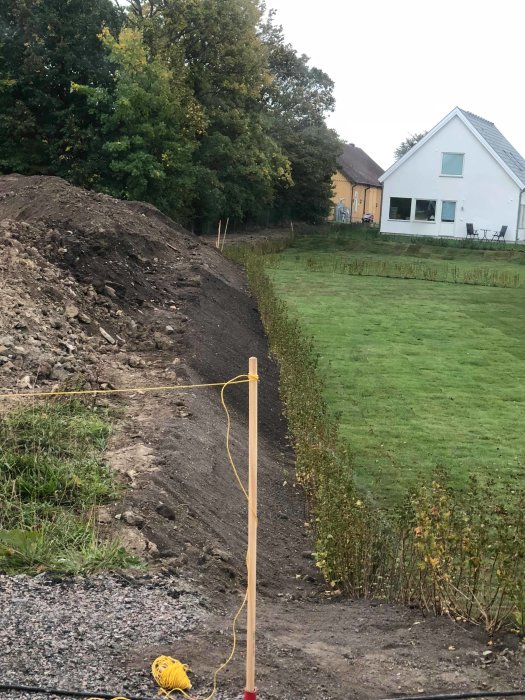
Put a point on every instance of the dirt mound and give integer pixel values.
(80, 274)
(115, 294)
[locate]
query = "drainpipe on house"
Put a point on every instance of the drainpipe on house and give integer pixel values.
(364, 200)
(352, 202)
(380, 210)
(519, 210)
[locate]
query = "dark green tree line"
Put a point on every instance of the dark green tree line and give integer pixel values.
(198, 106)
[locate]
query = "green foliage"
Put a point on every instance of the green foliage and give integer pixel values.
(145, 125)
(454, 551)
(414, 270)
(407, 144)
(238, 161)
(196, 106)
(44, 47)
(298, 98)
(51, 478)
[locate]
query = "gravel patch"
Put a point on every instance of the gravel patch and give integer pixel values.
(81, 633)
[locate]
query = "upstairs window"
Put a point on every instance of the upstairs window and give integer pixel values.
(452, 164)
(400, 208)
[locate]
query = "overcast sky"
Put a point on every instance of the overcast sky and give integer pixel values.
(400, 67)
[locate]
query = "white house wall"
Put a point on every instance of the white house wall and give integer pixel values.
(486, 195)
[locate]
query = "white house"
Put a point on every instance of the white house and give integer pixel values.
(463, 171)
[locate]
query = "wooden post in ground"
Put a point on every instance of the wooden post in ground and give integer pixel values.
(250, 691)
(218, 244)
(225, 232)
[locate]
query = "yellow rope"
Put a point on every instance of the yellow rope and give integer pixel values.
(171, 675)
(40, 394)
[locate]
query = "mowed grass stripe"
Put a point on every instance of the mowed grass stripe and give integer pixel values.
(422, 374)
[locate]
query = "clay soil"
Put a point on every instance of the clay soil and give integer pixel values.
(107, 294)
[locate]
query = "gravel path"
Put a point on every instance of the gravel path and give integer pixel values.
(81, 633)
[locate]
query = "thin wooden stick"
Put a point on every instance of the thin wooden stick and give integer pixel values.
(252, 529)
(218, 244)
(225, 232)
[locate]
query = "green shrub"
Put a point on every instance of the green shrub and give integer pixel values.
(460, 553)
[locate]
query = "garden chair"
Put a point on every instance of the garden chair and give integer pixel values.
(500, 235)
(471, 233)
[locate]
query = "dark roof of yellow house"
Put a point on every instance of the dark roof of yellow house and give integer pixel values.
(358, 167)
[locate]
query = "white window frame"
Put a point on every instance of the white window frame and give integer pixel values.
(452, 153)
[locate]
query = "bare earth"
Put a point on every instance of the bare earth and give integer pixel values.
(174, 311)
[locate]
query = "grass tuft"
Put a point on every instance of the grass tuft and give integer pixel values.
(52, 477)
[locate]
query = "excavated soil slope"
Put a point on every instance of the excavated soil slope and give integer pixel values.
(102, 293)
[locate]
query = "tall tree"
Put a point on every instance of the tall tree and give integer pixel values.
(44, 47)
(298, 99)
(239, 163)
(407, 144)
(145, 127)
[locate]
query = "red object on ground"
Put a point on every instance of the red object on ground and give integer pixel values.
(250, 695)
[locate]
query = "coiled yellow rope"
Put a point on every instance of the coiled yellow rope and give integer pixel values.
(171, 675)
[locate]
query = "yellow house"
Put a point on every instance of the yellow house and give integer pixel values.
(357, 190)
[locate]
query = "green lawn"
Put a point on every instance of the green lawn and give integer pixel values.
(423, 374)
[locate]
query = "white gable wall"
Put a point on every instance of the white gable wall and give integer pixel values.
(486, 195)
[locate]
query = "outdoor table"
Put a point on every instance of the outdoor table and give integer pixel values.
(485, 231)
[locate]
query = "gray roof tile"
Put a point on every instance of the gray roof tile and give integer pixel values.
(495, 139)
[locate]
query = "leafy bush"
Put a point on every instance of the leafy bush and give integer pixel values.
(414, 270)
(460, 553)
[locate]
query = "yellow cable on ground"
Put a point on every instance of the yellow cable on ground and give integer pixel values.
(40, 394)
(169, 673)
(172, 675)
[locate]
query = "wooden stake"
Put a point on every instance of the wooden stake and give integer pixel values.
(218, 244)
(252, 528)
(225, 232)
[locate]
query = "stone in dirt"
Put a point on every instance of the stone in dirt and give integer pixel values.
(107, 336)
(166, 512)
(131, 518)
(72, 311)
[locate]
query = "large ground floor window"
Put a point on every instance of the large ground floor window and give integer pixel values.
(400, 208)
(425, 210)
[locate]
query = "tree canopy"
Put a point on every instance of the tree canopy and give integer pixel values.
(407, 144)
(198, 106)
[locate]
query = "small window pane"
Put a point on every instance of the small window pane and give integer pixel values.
(452, 164)
(425, 209)
(448, 211)
(400, 208)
